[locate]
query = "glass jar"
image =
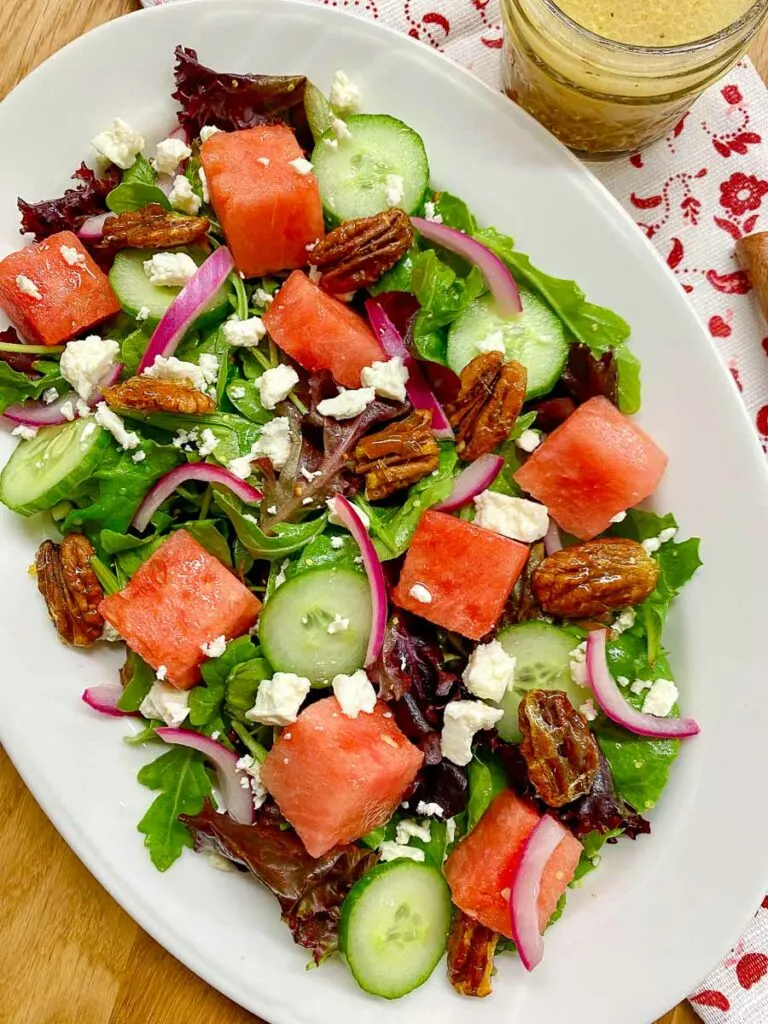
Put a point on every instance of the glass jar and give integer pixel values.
(604, 98)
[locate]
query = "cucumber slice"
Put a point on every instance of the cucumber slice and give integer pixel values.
(394, 927)
(543, 655)
(295, 621)
(43, 471)
(134, 292)
(353, 174)
(534, 338)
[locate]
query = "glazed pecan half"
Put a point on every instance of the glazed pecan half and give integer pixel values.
(587, 580)
(151, 394)
(471, 947)
(488, 403)
(70, 588)
(560, 752)
(152, 227)
(356, 254)
(397, 456)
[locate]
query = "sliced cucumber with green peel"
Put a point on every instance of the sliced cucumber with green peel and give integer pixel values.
(134, 292)
(535, 338)
(365, 173)
(43, 471)
(543, 654)
(394, 927)
(317, 624)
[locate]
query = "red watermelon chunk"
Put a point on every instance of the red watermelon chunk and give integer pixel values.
(597, 464)
(320, 332)
(73, 295)
(179, 599)
(481, 869)
(336, 778)
(269, 212)
(466, 571)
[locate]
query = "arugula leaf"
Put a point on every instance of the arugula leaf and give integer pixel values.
(629, 388)
(455, 213)
(245, 397)
(127, 562)
(320, 552)
(487, 779)
(140, 172)
(18, 387)
(235, 435)
(443, 295)
(139, 679)
(207, 533)
(287, 538)
(205, 701)
(593, 842)
(181, 777)
(135, 196)
(243, 684)
(134, 345)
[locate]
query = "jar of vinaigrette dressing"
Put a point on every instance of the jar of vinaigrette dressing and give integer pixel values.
(610, 76)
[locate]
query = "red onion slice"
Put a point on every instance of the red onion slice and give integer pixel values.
(92, 229)
(477, 477)
(187, 306)
(613, 703)
(350, 517)
(418, 390)
(500, 282)
(38, 414)
(238, 799)
(552, 541)
(524, 895)
(104, 699)
(203, 471)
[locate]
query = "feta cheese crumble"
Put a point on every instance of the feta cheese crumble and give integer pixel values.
(337, 543)
(162, 672)
(344, 95)
(394, 851)
(528, 441)
(138, 456)
(143, 313)
(347, 404)
(169, 154)
(237, 392)
(244, 333)
(170, 269)
(619, 517)
(262, 298)
(27, 286)
(588, 710)
(420, 593)
(355, 693)
(204, 186)
(50, 395)
(387, 379)
(429, 810)
(215, 648)
(578, 664)
(86, 362)
(68, 411)
(276, 384)
(207, 131)
(661, 698)
(652, 544)
(408, 829)
(183, 197)
(179, 371)
(490, 671)
(112, 422)
(208, 443)
(516, 518)
(493, 342)
(340, 129)
(166, 703)
(24, 432)
(119, 144)
(73, 257)
(463, 718)
(431, 215)
(252, 778)
(273, 444)
(624, 620)
(301, 166)
(263, 160)
(339, 625)
(394, 189)
(278, 699)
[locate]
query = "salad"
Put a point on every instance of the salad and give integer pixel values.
(357, 486)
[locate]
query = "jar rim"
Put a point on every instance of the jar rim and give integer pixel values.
(753, 13)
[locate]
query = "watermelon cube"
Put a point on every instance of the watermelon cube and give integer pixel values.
(458, 575)
(269, 211)
(595, 465)
(52, 290)
(320, 332)
(481, 869)
(179, 599)
(336, 778)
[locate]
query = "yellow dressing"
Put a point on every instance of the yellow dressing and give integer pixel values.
(655, 22)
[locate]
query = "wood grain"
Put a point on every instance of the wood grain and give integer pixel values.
(68, 953)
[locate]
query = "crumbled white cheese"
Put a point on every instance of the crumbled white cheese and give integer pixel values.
(262, 298)
(301, 166)
(170, 269)
(408, 829)
(394, 189)
(204, 186)
(263, 160)
(143, 313)
(622, 680)
(331, 143)
(209, 367)
(68, 411)
(347, 404)
(516, 518)
(24, 432)
(463, 718)
(110, 634)
(208, 443)
(394, 851)
(619, 517)
(237, 392)
(179, 371)
(334, 519)
(493, 342)
(668, 534)
(529, 441)
(72, 256)
(588, 710)
(354, 693)
(640, 685)
(278, 699)
(50, 395)
(119, 144)
(337, 543)
(166, 703)
(183, 197)
(280, 577)
(431, 215)
(252, 769)
(429, 810)
(162, 672)
(420, 593)
(244, 333)
(314, 274)
(273, 444)
(450, 830)
(85, 363)
(28, 287)
(169, 154)
(276, 384)
(624, 620)
(338, 625)
(340, 129)
(215, 648)
(578, 664)
(309, 475)
(137, 456)
(661, 698)
(112, 422)
(344, 95)
(490, 671)
(652, 544)
(207, 131)
(82, 409)
(387, 379)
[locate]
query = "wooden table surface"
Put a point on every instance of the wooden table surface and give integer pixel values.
(68, 953)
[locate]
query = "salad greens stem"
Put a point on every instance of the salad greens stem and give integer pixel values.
(105, 576)
(255, 748)
(267, 364)
(241, 307)
(32, 350)
(206, 503)
(273, 358)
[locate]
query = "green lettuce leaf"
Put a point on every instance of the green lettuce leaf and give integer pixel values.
(181, 778)
(243, 684)
(443, 296)
(487, 779)
(235, 434)
(287, 538)
(455, 213)
(139, 678)
(205, 700)
(16, 387)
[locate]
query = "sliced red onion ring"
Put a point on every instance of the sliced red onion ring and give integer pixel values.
(187, 306)
(238, 799)
(612, 701)
(552, 541)
(350, 517)
(167, 484)
(524, 896)
(92, 229)
(104, 698)
(418, 390)
(38, 414)
(500, 282)
(477, 477)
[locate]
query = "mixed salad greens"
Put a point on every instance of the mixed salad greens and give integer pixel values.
(393, 619)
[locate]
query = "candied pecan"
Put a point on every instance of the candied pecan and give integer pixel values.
(471, 947)
(587, 580)
(397, 456)
(71, 589)
(560, 752)
(152, 227)
(357, 253)
(489, 401)
(151, 394)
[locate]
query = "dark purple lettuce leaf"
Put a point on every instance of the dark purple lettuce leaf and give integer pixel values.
(233, 102)
(69, 211)
(19, 361)
(310, 890)
(587, 376)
